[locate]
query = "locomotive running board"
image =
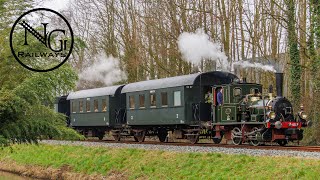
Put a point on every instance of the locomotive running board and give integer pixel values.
(238, 123)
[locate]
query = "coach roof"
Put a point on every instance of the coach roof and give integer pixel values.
(208, 78)
(87, 93)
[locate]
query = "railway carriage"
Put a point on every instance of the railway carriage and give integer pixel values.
(156, 106)
(97, 110)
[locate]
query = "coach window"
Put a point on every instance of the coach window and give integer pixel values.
(104, 105)
(73, 106)
(141, 101)
(81, 105)
(177, 98)
(131, 102)
(88, 105)
(164, 99)
(96, 105)
(153, 100)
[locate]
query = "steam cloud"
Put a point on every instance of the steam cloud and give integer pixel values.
(197, 46)
(246, 64)
(104, 69)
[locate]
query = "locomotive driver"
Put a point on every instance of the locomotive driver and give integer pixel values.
(209, 97)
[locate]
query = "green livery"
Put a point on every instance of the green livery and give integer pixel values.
(233, 94)
(211, 104)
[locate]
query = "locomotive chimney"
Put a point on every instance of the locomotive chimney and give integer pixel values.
(270, 92)
(270, 88)
(279, 84)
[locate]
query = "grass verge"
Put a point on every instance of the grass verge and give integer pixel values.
(144, 164)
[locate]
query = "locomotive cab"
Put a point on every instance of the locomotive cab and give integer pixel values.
(229, 110)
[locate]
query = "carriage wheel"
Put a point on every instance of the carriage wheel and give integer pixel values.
(135, 139)
(117, 137)
(85, 133)
(101, 135)
(162, 135)
(235, 133)
(255, 142)
(140, 136)
(193, 138)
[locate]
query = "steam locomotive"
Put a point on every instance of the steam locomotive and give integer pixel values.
(178, 105)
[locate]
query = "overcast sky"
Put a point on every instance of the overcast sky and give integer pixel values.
(56, 5)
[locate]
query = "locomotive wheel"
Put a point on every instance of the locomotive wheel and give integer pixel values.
(193, 138)
(254, 142)
(234, 133)
(140, 136)
(282, 142)
(162, 135)
(217, 140)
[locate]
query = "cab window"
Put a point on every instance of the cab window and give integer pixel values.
(254, 90)
(237, 92)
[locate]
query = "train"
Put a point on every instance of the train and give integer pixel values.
(179, 106)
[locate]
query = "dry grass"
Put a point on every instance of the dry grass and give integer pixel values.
(40, 172)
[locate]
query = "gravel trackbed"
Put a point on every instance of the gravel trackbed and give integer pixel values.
(202, 149)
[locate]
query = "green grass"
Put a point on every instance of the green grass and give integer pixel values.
(162, 164)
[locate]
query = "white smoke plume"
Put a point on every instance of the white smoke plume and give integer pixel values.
(197, 46)
(105, 69)
(246, 64)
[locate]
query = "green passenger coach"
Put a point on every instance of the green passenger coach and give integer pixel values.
(96, 110)
(175, 103)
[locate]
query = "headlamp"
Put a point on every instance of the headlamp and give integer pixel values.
(303, 115)
(272, 115)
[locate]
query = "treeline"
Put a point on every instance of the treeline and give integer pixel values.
(26, 97)
(143, 35)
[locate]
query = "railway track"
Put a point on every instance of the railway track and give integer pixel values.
(224, 145)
